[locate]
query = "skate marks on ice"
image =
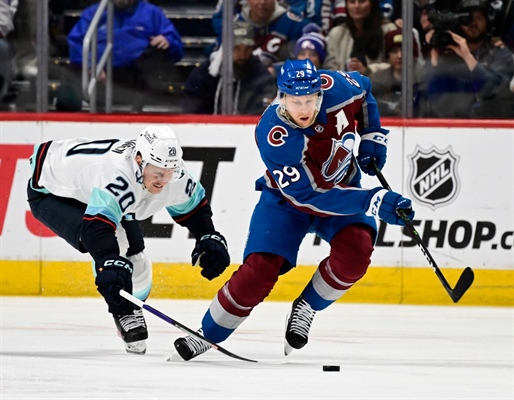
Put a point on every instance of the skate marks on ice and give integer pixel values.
(68, 348)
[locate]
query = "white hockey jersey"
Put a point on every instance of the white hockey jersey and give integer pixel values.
(105, 175)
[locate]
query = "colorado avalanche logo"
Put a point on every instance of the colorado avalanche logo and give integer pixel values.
(433, 178)
(336, 167)
(276, 135)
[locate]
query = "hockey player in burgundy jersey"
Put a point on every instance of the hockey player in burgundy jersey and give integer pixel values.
(306, 139)
(92, 194)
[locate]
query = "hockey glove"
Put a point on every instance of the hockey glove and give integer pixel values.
(388, 204)
(112, 274)
(211, 252)
(373, 145)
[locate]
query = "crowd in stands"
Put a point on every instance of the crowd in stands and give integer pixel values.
(462, 50)
(254, 86)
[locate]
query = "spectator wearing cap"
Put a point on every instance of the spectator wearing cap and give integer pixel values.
(254, 87)
(311, 45)
(387, 83)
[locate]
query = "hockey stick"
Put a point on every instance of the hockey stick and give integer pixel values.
(183, 328)
(467, 276)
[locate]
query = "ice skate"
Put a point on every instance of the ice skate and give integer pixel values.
(132, 329)
(298, 325)
(189, 347)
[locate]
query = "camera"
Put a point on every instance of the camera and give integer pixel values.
(446, 21)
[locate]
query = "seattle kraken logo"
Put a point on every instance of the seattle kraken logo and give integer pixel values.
(336, 166)
(433, 178)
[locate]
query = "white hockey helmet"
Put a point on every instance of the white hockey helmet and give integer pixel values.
(158, 145)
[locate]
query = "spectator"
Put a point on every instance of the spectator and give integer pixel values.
(254, 86)
(320, 12)
(7, 11)
(357, 44)
(275, 29)
(387, 83)
(421, 24)
(311, 45)
(470, 76)
(146, 45)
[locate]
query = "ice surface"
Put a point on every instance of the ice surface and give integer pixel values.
(67, 348)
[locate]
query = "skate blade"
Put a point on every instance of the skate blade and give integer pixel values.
(287, 348)
(136, 347)
(174, 356)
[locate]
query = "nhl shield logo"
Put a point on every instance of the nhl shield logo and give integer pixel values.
(433, 177)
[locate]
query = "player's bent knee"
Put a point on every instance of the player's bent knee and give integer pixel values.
(351, 250)
(255, 279)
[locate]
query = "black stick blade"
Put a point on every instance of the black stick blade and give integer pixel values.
(463, 284)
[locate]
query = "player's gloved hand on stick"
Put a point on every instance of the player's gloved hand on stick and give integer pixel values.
(211, 251)
(391, 204)
(387, 204)
(373, 145)
(114, 273)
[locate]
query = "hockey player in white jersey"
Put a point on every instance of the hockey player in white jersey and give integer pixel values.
(92, 193)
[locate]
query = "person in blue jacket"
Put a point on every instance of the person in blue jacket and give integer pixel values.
(306, 139)
(138, 25)
(146, 44)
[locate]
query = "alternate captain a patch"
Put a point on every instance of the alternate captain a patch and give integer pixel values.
(276, 135)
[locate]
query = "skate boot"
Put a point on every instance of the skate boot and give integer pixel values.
(132, 329)
(298, 325)
(189, 347)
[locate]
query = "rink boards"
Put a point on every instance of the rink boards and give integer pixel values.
(460, 177)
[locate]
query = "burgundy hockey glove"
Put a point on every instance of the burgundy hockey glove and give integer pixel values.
(211, 252)
(112, 274)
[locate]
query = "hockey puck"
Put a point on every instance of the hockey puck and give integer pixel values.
(331, 368)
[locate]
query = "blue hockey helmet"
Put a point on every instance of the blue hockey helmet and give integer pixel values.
(299, 78)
